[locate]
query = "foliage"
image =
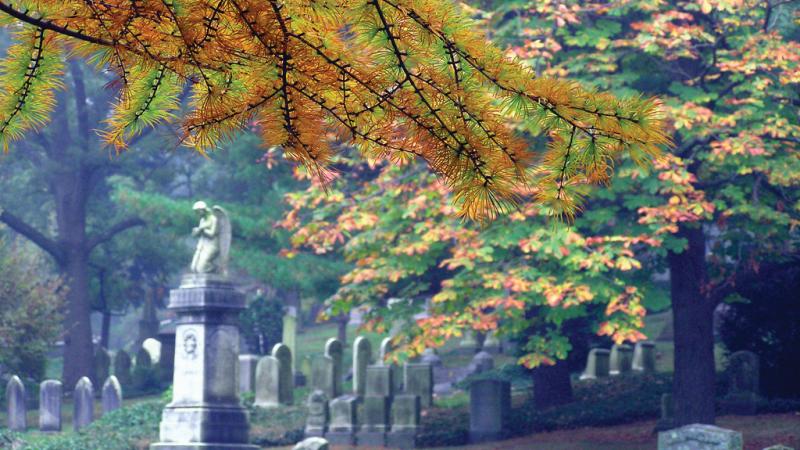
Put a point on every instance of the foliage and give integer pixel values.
(278, 426)
(398, 78)
(261, 324)
(30, 303)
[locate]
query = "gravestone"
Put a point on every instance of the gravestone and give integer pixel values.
(83, 407)
(700, 437)
(620, 359)
(144, 360)
(362, 354)
(378, 392)
(122, 367)
(17, 408)
(50, 405)
(468, 343)
(491, 344)
(743, 379)
(481, 362)
(205, 411)
(312, 443)
(405, 421)
(268, 375)
(383, 359)
(317, 418)
(153, 347)
(247, 373)
(102, 365)
(289, 333)
(379, 381)
(112, 395)
(418, 380)
(166, 362)
(429, 356)
(644, 357)
(667, 419)
(596, 364)
(323, 375)
(343, 420)
(334, 349)
(489, 408)
(283, 354)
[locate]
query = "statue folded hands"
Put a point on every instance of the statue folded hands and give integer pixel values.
(213, 245)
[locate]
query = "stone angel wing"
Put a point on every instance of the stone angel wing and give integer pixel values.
(225, 232)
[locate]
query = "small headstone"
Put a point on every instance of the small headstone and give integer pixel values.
(429, 356)
(700, 437)
(283, 354)
(418, 380)
(342, 426)
(83, 413)
(481, 362)
(122, 367)
(312, 443)
(405, 422)
(17, 410)
(317, 418)
(268, 373)
(362, 354)
(153, 347)
(334, 349)
(102, 364)
(644, 357)
(489, 407)
(596, 364)
(50, 405)
(620, 359)
(491, 344)
(247, 373)
(112, 395)
(667, 420)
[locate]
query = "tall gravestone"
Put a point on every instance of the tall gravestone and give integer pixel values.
(50, 405)
(743, 383)
(362, 354)
(383, 359)
(334, 349)
(205, 411)
(122, 367)
(17, 410)
(111, 395)
(620, 359)
(267, 382)
(289, 334)
(489, 408)
(418, 380)
(283, 354)
(378, 392)
(596, 364)
(83, 406)
(700, 437)
(102, 365)
(644, 357)
(247, 373)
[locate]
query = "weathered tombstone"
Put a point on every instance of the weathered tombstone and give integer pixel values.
(102, 365)
(83, 398)
(144, 360)
(383, 359)
(429, 356)
(317, 418)
(247, 373)
(491, 344)
(268, 373)
(778, 447)
(334, 349)
(362, 354)
(481, 362)
(667, 420)
(468, 343)
(489, 407)
(342, 426)
(418, 380)
(283, 354)
(378, 390)
(205, 410)
(405, 421)
(289, 333)
(312, 443)
(50, 405)
(112, 395)
(700, 437)
(153, 347)
(644, 357)
(166, 362)
(743, 387)
(620, 359)
(122, 367)
(322, 375)
(17, 410)
(596, 364)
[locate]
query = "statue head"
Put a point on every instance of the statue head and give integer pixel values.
(200, 207)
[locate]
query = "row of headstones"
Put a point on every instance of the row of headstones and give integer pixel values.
(50, 396)
(271, 377)
(620, 360)
(152, 353)
(391, 405)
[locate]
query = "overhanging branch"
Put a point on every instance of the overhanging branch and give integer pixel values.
(114, 230)
(32, 234)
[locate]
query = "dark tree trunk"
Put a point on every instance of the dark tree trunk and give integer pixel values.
(552, 385)
(692, 311)
(105, 330)
(341, 332)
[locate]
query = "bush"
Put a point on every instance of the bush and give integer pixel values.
(441, 427)
(277, 426)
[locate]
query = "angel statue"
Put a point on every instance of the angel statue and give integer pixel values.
(213, 247)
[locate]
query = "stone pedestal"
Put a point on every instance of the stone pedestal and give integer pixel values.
(205, 412)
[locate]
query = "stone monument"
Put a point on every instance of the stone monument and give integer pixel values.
(50, 406)
(205, 412)
(621, 359)
(596, 364)
(700, 437)
(743, 383)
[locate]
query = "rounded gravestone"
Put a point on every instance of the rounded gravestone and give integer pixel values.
(153, 347)
(334, 349)
(17, 412)
(283, 354)
(362, 354)
(482, 362)
(83, 413)
(50, 405)
(112, 395)
(122, 367)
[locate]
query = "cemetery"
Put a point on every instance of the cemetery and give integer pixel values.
(400, 224)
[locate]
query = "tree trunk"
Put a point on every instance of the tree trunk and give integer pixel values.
(552, 385)
(693, 313)
(342, 328)
(105, 330)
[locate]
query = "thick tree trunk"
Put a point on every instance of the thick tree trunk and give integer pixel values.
(342, 328)
(692, 311)
(552, 385)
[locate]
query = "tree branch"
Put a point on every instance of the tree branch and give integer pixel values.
(47, 25)
(32, 234)
(131, 222)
